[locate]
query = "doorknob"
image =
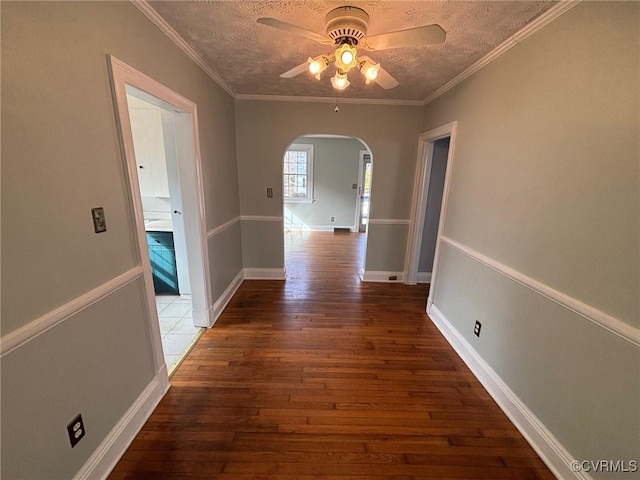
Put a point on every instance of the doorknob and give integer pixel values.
(177, 212)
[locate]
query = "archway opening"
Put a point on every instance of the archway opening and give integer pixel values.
(326, 203)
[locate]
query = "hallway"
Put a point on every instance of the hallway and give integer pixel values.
(322, 376)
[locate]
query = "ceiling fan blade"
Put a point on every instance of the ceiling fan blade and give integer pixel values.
(295, 71)
(288, 27)
(425, 35)
(385, 80)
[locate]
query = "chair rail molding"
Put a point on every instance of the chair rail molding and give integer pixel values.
(261, 218)
(37, 327)
(221, 228)
(389, 221)
(602, 319)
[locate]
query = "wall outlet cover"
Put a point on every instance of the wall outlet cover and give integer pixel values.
(76, 430)
(476, 328)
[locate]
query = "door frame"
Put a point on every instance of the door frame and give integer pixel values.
(121, 76)
(419, 202)
(360, 189)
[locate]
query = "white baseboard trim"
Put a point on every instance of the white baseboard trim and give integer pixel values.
(381, 276)
(424, 277)
(328, 228)
(264, 274)
(104, 459)
(37, 327)
(221, 303)
(551, 451)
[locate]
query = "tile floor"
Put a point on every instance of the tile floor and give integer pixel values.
(176, 327)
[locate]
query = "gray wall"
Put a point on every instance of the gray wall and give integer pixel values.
(335, 170)
(434, 203)
(60, 158)
(545, 180)
(391, 133)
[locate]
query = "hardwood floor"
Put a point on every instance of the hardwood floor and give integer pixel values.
(323, 377)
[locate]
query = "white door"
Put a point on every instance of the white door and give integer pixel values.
(175, 200)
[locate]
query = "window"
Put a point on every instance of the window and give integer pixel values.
(298, 174)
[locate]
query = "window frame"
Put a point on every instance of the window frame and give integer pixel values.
(300, 147)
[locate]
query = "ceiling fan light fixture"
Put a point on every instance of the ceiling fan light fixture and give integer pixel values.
(346, 57)
(340, 81)
(369, 70)
(317, 65)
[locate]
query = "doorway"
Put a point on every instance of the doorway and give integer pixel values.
(365, 171)
(154, 140)
(326, 188)
(158, 130)
(432, 179)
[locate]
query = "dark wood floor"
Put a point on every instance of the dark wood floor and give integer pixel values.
(323, 377)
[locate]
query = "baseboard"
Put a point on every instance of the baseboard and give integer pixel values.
(264, 274)
(320, 228)
(104, 459)
(382, 276)
(424, 277)
(551, 451)
(222, 302)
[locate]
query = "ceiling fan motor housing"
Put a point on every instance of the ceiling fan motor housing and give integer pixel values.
(347, 24)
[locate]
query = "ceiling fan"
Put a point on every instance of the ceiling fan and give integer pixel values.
(346, 29)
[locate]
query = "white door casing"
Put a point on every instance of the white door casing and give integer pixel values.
(419, 202)
(188, 148)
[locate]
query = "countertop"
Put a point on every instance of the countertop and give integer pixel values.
(158, 225)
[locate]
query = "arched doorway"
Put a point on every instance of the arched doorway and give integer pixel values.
(326, 198)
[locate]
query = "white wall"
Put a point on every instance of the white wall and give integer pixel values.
(61, 157)
(545, 183)
(335, 165)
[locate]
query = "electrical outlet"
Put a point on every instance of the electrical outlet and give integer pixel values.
(76, 430)
(269, 192)
(99, 222)
(333, 219)
(476, 328)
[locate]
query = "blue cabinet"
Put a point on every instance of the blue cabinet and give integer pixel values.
(163, 262)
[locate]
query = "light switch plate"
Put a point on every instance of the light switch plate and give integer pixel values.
(99, 222)
(269, 192)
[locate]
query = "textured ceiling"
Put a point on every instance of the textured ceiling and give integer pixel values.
(249, 57)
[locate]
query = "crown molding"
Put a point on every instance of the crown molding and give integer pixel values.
(361, 101)
(547, 17)
(550, 15)
(168, 30)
